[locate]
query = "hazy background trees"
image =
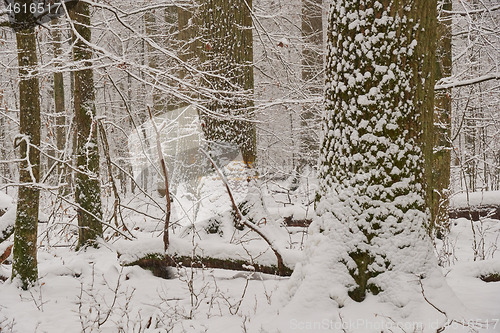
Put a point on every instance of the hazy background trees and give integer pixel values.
(475, 124)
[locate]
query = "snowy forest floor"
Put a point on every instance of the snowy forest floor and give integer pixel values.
(93, 290)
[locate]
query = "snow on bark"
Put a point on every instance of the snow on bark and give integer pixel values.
(370, 234)
(88, 191)
(24, 265)
(371, 184)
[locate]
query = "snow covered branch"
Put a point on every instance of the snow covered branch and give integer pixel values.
(472, 12)
(448, 83)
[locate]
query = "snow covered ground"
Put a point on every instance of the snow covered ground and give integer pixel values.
(91, 291)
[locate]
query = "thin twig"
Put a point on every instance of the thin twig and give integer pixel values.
(165, 177)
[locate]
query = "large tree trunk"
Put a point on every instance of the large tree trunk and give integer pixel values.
(227, 55)
(88, 191)
(369, 242)
(379, 100)
(25, 235)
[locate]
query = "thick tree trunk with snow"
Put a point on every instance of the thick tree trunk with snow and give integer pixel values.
(368, 261)
(24, 264)
(88, 191)
(227, 56)
(379, 99)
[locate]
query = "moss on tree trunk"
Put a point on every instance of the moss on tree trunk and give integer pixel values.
(24, 264)
(379, 102)
(437, 195)
(88, 191)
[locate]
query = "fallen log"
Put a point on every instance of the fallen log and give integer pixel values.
(290, 222)
(475, 212)
(493, 277)
(160, 265)
(281, 266)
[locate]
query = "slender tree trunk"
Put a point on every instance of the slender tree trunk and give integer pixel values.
(163, 103)
(171, 41)
(440, 181)
(129, 166)
(25, 235)
(313, 80)
(153, 31)
(88, 191)
(186, 37)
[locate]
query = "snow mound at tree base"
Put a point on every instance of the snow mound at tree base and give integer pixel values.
(412, 299)
(408, 303)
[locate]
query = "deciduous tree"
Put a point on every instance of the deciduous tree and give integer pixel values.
(371, 231)
(88, 191)
(25, 235)
(227, 56)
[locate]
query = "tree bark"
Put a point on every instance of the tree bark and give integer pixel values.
(313, 80)
(437, 195)
(59, 103)
(24, 264)
(88, 191)
(227, 57)
(379, 100)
